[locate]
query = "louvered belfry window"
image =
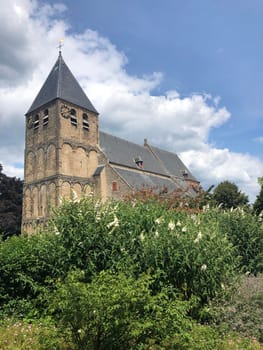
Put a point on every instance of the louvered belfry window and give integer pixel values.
(45, 119)
(73, 117)
(36, 121)
(85, 122)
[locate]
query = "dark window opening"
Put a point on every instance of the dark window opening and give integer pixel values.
(139, 162)
(185, 174)
(45, 119)
(114, 186)
(85, 122)
(73, 117)
(36, 121)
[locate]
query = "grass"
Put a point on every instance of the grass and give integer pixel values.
(21, 335)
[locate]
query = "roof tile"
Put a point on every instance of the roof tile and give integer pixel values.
(61, 83)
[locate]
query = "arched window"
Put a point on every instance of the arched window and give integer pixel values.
(73, 117)
(45, 119)
(85, 122)
(36, 121)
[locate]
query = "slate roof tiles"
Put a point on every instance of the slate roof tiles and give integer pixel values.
(160, 169)
(61, 83)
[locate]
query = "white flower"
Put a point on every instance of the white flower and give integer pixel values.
(203, 267)
(98, 217)
(56, 231)
(178, 223)
(184, 229)
(156, 234)
(115, 207)
(159, 221)
(206, 207)
(142, 237)
(74, 197)
(193, 217)
(97, 205)
(171, 225)
(79, 330)
(114, 223)
(199, 237)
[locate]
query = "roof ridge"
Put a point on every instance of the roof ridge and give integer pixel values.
(60, 59)
(151, 149)
(164, 150)
(123, 139)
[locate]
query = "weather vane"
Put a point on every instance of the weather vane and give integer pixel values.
(61, 43)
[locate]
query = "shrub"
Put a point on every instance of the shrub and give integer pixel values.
(116, 312)
(186, 251)
(245, 231)
(27, 263)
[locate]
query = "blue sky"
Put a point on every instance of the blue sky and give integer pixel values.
(185, 74)
(213, 47)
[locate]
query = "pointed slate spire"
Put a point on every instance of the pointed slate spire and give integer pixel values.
(63, 85)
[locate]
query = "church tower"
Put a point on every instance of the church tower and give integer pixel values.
(61, 146)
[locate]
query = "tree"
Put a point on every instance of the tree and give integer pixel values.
(11, 190)
(229, 196)
(258, 205)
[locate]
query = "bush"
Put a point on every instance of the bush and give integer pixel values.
(185, 251)
(134, 257)
(245, 231)
(27, 266)
(116, 312)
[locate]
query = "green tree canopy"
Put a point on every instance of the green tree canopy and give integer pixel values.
(228, 195)
(11, 189)
(258, 205)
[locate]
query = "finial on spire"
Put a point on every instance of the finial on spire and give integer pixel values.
(61, 43)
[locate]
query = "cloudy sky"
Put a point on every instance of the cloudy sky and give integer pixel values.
(186, 75)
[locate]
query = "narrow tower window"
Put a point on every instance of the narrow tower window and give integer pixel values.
(45, 119)
(73, 117)
(36, 121)
(114, 186)
(85, 122)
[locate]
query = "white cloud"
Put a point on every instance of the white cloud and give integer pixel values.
(259, 139)
(29, 36)
(216, 165)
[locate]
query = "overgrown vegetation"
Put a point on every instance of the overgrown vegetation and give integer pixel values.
(11, 190)
(137, 274)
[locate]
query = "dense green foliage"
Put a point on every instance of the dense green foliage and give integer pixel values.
(227, 195)
(188, 252)
(11, 190)
(133, 273)
(115, 310)
(258, 205)
(245, 232)
(26, 266)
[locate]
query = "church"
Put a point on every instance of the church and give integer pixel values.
(66, 153)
